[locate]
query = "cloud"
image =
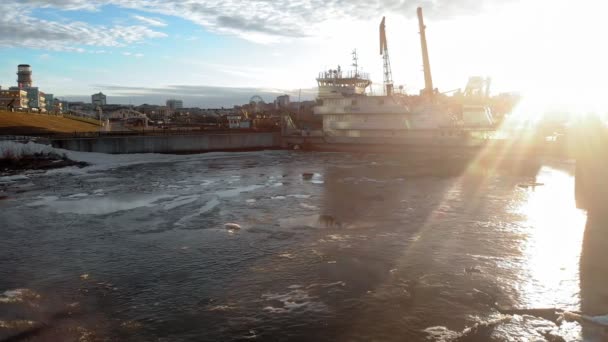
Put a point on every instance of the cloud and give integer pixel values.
(131, 54)
(20, 29)
(198, 95)
(267, 21)
(150, 21)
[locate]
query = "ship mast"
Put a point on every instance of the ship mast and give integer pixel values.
(428, 80)
(388, 74)
(355, 62)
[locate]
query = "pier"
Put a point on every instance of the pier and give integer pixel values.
(589, 145)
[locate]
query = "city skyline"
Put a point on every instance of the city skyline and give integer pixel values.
(214, 55)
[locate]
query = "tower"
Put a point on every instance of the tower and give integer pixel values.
(24, 76)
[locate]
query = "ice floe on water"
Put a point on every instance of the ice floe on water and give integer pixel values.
(97, 205)
(295, 300)
(210, 205)
(103, 161)
(18, 296)
(180, 201)
(508, 328)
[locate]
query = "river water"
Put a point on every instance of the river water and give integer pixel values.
(280, 245)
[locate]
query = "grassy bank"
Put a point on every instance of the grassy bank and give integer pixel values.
(28, 123)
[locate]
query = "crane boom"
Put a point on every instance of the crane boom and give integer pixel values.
(428, 80)
(388, 74)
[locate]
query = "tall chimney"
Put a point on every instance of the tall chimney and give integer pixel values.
(24, 76)
(428, 80)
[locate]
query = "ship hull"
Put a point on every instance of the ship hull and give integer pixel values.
(429, 148)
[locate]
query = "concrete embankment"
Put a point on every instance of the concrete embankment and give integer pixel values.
(171, 143)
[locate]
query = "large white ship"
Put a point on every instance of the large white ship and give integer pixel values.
(354, 120)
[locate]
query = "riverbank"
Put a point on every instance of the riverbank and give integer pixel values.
(30, 123)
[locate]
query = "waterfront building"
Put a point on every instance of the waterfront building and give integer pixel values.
(282, 101)
(57, 106)
(50, 102)
(36, 99)
(13, 98)
(98, 99)
(64, 105)
(173, 104)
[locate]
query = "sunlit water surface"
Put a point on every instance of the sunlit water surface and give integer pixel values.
(323, 246)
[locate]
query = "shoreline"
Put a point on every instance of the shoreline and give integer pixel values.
(15, 166)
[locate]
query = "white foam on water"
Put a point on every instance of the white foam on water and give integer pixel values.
(102, 179)
(180, 201)
(278, 197)
(79, 195)
(210, 205)
(237, 191)
(308, 206)
(301, 196)
(18, 295)
(307, 221)
(326, 285)
(296, 299)
(441, 334)
(43, 200)
(13, 178)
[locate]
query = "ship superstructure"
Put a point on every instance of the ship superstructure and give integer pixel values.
(351, 116)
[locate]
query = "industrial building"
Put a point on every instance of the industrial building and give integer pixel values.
(24, 76)
(173, 104)
(98, 99)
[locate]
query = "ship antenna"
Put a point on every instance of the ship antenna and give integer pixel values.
(355, 62)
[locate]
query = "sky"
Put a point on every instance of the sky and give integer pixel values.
(213, 53)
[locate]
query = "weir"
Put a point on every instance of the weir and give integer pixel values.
(194, 143)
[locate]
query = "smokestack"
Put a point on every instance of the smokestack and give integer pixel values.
(24, 76)
(428, 80)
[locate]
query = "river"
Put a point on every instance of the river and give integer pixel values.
(300, 246)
